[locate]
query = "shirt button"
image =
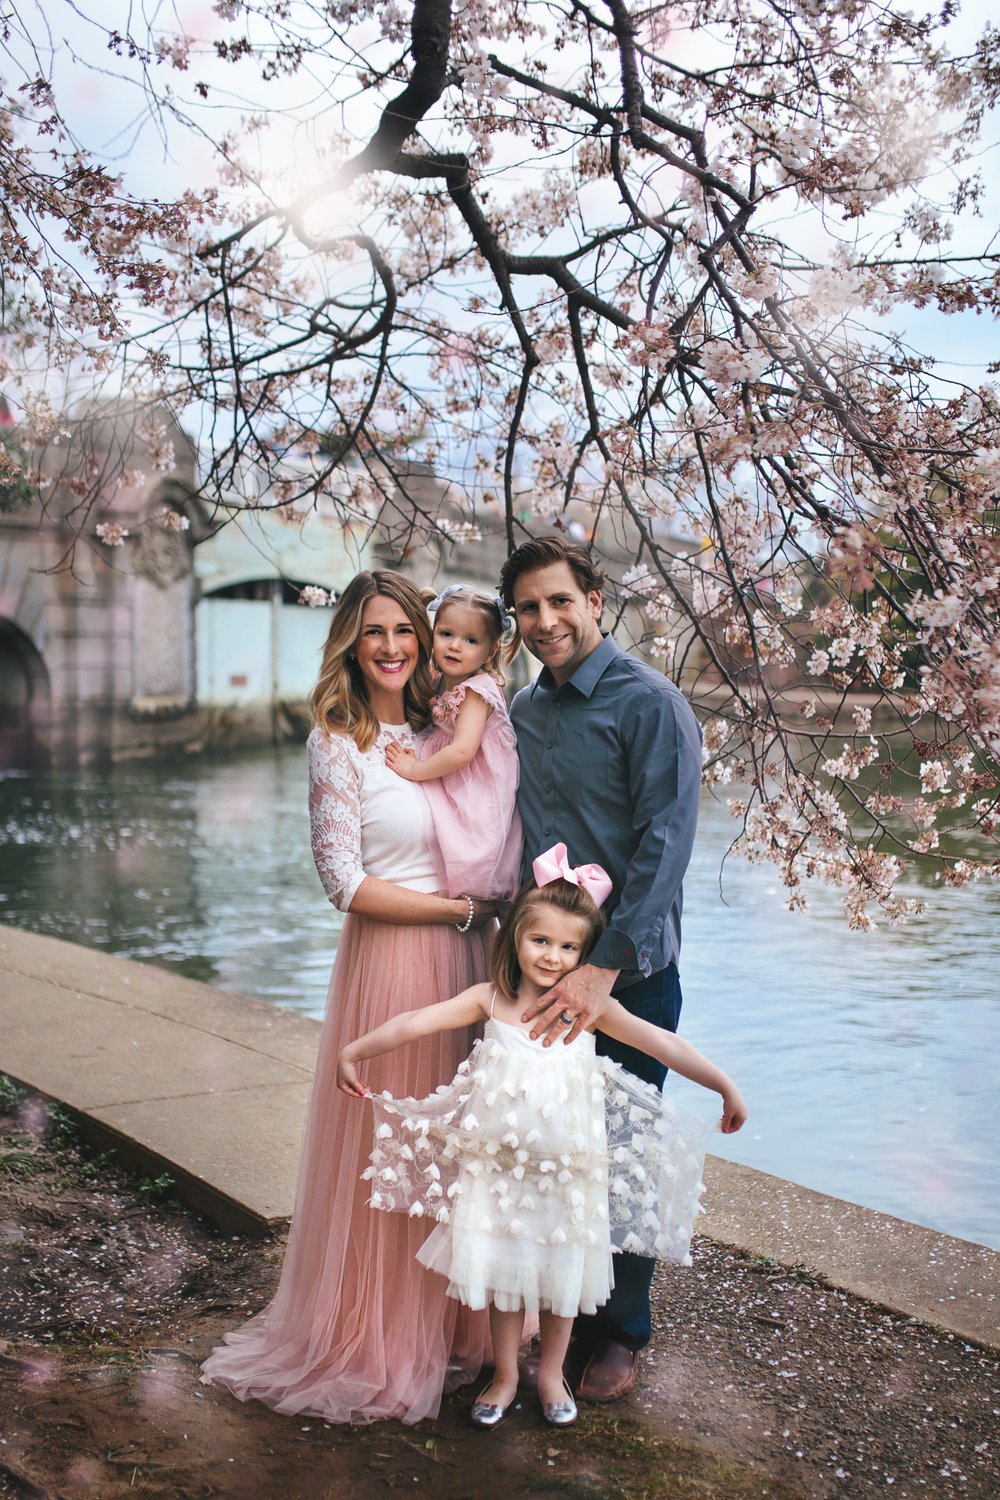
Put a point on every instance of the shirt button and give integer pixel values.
(547, 787)
(547, 832)
(549, 744)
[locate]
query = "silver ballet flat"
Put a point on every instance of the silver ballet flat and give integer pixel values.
(483, 1414)
(561, 1413)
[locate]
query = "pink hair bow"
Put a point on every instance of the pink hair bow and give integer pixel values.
(554, 865)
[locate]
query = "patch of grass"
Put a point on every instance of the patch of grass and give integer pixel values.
(807, 1275)
(63, 1129)
(611, 1456)
(11, 1094)
(799, 1273)
(21, 1162)
(63, 1153)
(95, 1166)
(573, 1489)
(154, 1189)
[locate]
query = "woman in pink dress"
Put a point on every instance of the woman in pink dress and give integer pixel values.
(357, 1329)
(467, 764)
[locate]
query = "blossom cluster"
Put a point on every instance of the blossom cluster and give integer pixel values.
(111, 533)
(315, 597)
(173, 520)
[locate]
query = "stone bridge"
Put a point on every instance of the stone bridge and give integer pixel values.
(96, 643)
(182, 638)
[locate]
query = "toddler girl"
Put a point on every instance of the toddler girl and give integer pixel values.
(468, 762)
(536, 1163)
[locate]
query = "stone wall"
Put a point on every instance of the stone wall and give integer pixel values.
(96, 642)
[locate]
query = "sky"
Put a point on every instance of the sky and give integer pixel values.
(104, 99)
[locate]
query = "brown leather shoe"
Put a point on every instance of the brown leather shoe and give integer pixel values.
(610, 1372)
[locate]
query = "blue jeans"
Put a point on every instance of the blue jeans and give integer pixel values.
(625, 1316)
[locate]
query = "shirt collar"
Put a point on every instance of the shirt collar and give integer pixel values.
(590, 671)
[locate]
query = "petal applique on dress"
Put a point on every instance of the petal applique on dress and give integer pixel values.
(515, 1151)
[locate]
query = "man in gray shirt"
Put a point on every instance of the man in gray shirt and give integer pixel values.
(610, 756)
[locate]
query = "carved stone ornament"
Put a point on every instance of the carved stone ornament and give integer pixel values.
(162, 556)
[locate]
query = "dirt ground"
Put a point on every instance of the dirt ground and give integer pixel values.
(760, 1382)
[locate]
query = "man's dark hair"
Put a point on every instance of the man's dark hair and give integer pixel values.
(542, 552)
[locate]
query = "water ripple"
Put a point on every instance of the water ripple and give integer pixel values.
(868, 1060)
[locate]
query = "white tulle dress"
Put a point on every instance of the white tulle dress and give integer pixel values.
(536, 1164)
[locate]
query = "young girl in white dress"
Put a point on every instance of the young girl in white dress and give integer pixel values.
(536, 1163)
(467, 764)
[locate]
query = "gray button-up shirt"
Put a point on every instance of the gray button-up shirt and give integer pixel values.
(611, 767)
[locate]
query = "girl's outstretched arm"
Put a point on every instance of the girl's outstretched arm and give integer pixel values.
(470, 726)
(675, 1053)
(448, 1015)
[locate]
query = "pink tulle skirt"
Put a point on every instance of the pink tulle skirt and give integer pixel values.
(358, 1329)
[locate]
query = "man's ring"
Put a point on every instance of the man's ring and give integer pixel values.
(565, 1019)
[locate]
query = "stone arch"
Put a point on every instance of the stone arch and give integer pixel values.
(253, 583)
(25, 701)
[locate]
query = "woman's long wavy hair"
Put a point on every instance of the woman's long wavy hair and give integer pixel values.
(339, 702)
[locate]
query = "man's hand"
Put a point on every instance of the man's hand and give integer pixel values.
(400, 759)
(582, 996)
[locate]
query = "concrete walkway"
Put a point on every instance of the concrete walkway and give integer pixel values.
(212, 1088)
(179, 1076)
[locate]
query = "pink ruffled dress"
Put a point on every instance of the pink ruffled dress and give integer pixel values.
(474, 810)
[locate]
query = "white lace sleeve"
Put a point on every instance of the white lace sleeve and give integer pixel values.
(335, 817)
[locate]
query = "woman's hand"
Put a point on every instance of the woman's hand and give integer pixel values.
(347, 1076)
(734, 1110)
(400, 759)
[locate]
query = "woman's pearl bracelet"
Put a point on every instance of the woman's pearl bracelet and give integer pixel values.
(464, 926)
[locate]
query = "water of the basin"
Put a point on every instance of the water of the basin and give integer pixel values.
(868, 1060)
